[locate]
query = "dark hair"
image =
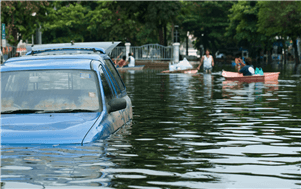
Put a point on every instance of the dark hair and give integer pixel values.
(207, 50)
(130, 54)
(124, 57)
(248, 62)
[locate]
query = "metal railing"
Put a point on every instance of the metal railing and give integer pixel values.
(146, 52)
(118, 51)
(152, 52)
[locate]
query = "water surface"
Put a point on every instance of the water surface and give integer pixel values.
(189, 131)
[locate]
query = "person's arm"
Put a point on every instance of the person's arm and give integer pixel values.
(119, 63)
(200, 63)
(212, 62)
(119, 55)
(242, 63)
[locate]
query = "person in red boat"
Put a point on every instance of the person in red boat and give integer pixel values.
(246, 69)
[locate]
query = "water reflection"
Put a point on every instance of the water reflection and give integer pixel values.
(207, 81)
(248, 91)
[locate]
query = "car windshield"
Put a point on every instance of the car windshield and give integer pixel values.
(49, 91)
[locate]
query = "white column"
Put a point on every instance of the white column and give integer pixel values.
(127, 50)
(176, 51)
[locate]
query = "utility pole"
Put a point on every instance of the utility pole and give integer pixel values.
(187, 44)
(39, 35)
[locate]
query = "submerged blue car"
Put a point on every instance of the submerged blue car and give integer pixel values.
(62, 95)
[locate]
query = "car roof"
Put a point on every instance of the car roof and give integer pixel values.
(74, 61)
(103, 47)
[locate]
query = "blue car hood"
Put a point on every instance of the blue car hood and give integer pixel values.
(56, 128)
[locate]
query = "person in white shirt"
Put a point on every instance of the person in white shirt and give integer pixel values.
(208, 62)
(131, 60)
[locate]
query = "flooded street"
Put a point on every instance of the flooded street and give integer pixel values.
(189, 131)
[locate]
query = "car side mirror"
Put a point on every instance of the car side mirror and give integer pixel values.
(116, 104)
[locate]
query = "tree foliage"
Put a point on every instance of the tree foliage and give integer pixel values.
(215, 24)
(136, 22)
(22, 18)
(207, 21)
(286, 23)
(243, 26)
(155, 18)
(76, 21)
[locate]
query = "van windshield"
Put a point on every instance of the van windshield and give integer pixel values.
(45, 91)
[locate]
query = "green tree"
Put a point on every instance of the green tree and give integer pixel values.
(243, 27)
(281, 18)
(22, 18)
(88, 21)
(65, 22)
(155, 17)
(207, 21)
(77, 20)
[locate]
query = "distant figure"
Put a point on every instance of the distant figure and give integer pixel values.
(131, 60)
(208, 62)
(246, 70)
(122, 62)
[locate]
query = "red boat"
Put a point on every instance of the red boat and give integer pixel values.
(268, 76)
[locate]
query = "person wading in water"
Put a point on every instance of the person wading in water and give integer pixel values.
(208, 62)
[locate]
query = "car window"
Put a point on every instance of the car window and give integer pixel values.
(108, 89)
(50, 90)
(115, 74)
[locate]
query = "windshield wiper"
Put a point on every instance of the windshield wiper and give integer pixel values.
(68, 111)
(21, 111)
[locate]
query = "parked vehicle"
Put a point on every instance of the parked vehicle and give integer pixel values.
(62, 95)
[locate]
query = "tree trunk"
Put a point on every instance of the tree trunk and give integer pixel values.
(165, 38)
(161, 38)
(284, 56)
(296, 55)
(172, 33)
(187, 45)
